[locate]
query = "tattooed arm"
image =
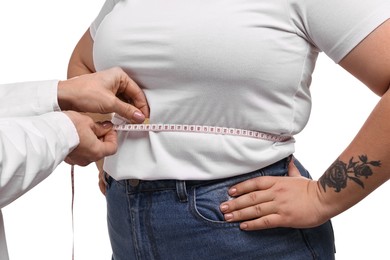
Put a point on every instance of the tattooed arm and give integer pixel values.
(339, 173)
(267, 202)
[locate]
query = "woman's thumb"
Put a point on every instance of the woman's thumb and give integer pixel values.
(293, 170)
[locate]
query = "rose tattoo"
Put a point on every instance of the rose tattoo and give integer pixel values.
(339, 173)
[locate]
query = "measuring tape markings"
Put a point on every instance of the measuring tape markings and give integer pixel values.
(200, 129)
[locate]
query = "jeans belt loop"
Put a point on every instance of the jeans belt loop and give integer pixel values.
(181, 191)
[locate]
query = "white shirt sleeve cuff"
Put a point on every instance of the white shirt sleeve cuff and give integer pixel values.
(65, 128)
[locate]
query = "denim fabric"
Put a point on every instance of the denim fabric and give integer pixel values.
(181, 220)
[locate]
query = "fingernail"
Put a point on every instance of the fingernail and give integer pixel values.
(232, 191)
(106, 124)
(138, 116)
(224, 207)
(228, 217)
(243, 226)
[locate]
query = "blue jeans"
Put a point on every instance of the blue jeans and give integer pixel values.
(173, 219)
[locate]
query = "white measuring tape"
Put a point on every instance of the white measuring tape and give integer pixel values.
(200, 129)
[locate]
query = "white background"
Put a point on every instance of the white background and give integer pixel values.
(36, 41)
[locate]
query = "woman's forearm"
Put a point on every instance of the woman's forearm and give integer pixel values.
(363, 166)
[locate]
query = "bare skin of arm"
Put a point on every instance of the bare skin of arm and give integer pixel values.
(81, 62)
(268, 202)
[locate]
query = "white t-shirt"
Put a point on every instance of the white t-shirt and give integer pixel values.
(243, 64)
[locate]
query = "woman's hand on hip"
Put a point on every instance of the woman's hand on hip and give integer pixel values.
(269, 202)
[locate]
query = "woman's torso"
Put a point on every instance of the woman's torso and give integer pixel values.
(232, 63)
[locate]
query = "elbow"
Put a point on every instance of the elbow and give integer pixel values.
(384, 87)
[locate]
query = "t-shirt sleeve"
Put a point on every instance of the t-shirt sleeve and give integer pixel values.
(336, 27)
(106, 9)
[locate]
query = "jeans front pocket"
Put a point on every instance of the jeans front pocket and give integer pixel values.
(205, 199)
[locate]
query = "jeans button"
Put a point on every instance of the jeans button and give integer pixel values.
(134, 182)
